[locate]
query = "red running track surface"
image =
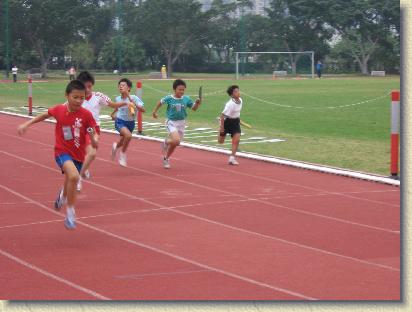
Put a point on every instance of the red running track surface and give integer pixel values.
(202, 230)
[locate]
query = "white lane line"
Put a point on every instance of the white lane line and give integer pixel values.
(52, 276)
(219, 223)
(167, 253)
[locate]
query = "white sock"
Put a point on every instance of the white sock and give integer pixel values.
(63, 198)
(70, 213)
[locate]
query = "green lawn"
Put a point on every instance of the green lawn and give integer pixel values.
(342, 122)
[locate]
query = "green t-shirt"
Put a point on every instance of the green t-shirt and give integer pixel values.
(176, 107)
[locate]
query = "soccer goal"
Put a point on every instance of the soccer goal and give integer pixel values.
(274, 65)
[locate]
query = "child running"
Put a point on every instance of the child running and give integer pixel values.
(125, 120)
(230, 121)
(93, 102)
(176, 118)
(73, 123)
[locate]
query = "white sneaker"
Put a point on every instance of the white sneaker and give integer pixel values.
(122, 159)
(87, 174)
(70, 221)
(166, 163)
(233, 161)
(114, 150)
(60, 200)
(79, 184)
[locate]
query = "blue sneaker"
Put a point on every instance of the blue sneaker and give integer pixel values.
(60, 200)
(70, 224)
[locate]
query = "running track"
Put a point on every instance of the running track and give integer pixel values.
(202, 230)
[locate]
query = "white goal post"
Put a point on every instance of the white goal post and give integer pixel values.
(312, 54)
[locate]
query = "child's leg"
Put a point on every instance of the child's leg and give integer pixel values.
(235, 143)
(90, 156)
(71, 178)
(172, 141)
(125, 140)
(121, 142)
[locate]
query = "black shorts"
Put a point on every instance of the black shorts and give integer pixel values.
(232, 126)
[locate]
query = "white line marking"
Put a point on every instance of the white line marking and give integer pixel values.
(271, 159)
(343, 194)
(52, 276)
(215, 190)
(215, 222)
(262, 141)
(164, 252)
(141, 276)
(202, 136)
(120, 213)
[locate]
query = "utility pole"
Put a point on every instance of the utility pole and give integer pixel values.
(242, 39)
(119, 43)
(6, 36)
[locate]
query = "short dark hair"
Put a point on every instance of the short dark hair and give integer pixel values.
(75, 85)
(178, 82)
(128, 82)
(231, 89)
(85, 76)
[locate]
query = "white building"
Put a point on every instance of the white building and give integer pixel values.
(258, 6)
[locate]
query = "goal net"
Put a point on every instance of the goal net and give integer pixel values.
(270, 65)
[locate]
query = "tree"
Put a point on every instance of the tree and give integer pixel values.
(221, 30)
(362, 25)
(171, 26)
(47, 26)
(82, 54)
(296, 26)
(133, 56)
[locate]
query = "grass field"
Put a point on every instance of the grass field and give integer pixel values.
(342, 122)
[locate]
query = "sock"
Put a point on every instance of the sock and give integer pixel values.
(70, 213)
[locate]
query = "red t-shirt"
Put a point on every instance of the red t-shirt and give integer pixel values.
(71, 130)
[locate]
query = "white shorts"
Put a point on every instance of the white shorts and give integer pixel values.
(176, 126)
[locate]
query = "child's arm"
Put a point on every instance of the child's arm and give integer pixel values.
(21, 129)
(94, 137)
(222, 125)
(113, 114)
(154, 113)
(116, 105)
(196, 105)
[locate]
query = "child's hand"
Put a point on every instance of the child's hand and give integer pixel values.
(94, 138)
(198, 101)
(21, 129)
(132, 110)
(113, 114)
(154, 114)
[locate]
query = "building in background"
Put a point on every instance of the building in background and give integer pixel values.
(258, 6)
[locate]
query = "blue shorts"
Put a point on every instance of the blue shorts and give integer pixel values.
(120, 123)
(61, 159)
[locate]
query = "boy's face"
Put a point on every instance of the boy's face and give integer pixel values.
(123, 87)
(89, 87)
(236, 93)
(75, 99)
(180, 90)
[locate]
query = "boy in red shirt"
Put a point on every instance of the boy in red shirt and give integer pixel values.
(72, 124)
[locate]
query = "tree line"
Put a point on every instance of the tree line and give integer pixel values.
(135, 35)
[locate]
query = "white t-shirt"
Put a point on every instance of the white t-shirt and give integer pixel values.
(232, 109)
(14, 70)
(95, 103)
